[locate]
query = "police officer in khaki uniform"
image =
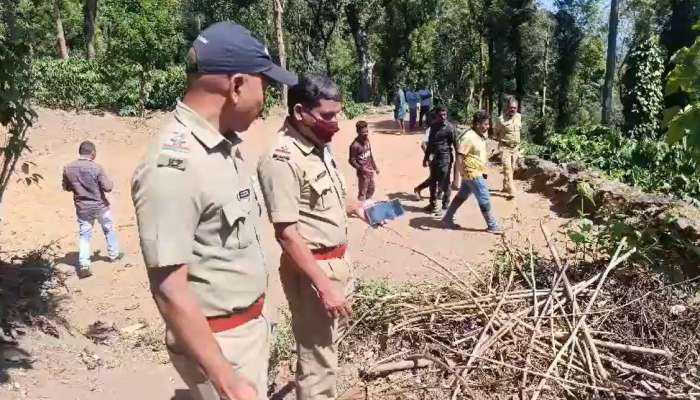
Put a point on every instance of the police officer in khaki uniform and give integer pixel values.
(507, 129)
(305, 195)
(197, 212)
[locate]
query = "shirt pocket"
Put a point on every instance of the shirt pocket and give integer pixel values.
(237, 224)
(322, 194)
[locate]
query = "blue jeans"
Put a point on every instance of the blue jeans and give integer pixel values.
(480, 189)
(85, 225)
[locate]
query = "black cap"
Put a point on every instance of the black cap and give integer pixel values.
(228, 48)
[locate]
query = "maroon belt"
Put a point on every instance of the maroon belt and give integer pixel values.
(330, 253)
(221, 324)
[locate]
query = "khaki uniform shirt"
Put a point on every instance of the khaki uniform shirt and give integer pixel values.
(472, 147)
(196, 204)
(301, 183)
(508, 129)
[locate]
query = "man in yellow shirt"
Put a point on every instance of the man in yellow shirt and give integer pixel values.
(471, 158)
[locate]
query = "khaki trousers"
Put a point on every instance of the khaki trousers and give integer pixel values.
(314, 331)
(509, 157)
(246, 347)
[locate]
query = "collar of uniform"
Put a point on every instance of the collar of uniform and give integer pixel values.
(504, 117)
(300, 139)
(201, 128)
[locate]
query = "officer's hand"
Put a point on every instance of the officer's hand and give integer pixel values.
(232, 386)
(334, 302)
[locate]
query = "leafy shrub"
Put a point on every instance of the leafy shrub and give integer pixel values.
(352, 110)
(458, 111)
(272, 98)
(649, 164)
(165, 87)
(70, 84)
(84, 84)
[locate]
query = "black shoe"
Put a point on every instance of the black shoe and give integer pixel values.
(430, 209)
(84, 272)
(119, 257)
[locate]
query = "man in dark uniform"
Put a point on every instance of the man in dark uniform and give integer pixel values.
(441, 147)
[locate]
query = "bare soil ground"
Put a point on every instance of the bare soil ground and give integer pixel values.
(72, 367)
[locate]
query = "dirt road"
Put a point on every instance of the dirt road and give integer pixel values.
(37, 215)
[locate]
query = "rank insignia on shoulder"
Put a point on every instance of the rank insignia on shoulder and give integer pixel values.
(243, 194)
(172, 162)
(281, 154)
(177, 142)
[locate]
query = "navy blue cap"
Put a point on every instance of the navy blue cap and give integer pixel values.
(229, 48)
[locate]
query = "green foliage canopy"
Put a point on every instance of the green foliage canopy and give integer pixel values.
(145, 32)
(684, 122)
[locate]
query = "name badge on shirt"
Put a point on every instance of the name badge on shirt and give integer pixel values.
(243, 194)
(172, 162)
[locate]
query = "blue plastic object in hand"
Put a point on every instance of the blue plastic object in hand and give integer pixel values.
(383, 211)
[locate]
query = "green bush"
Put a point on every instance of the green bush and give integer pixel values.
(649, 164)
(272, 98)
(70, 84)
(353, 110)
(88, 85)
(166, 87)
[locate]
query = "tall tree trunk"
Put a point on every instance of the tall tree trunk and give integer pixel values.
(482, 72)
(90, 14)
(521, 17)
(519, 71)
(281, 50)
(143, 93)
(489, 79)
(470, 95)
(568, 39)
(545, 77)
(488, 87)
(359, 34)
(610, 64)
(198, 22)
(60, 37)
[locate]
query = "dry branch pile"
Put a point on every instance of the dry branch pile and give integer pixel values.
(537, 328)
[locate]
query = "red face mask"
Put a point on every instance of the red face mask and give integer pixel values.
(323, 129)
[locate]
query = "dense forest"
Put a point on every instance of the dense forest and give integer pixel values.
(613, 84)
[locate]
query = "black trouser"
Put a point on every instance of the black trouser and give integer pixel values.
(424, 115)
(426, 184)
(440, 178)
